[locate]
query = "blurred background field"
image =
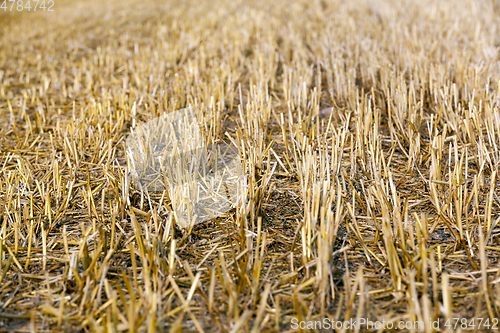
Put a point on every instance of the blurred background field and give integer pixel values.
(368, 132)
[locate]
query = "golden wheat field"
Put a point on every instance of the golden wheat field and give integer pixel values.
(367, 134)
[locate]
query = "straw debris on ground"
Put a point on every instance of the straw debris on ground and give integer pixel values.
(368, 132)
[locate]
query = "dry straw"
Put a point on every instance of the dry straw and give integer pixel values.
(367, 133)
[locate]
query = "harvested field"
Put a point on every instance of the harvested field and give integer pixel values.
(368, 135)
